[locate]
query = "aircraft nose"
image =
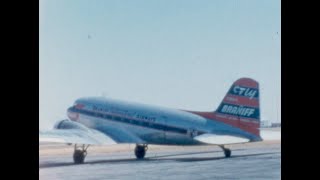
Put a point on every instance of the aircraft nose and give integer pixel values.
(69, 110)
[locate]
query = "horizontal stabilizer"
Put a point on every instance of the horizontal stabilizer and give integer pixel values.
(220, 139)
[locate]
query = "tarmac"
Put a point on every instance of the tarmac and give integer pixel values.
(260, 160)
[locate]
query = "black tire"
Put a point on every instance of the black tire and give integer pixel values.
(78, 157)
(227, 153)
(140, 152)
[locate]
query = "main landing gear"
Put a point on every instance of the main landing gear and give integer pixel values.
(227, 152)
(140, 150)
(79, 154)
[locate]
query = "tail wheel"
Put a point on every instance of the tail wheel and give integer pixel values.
(227, 153)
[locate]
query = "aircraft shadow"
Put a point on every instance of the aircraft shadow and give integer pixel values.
(150, 159)
(182, 154)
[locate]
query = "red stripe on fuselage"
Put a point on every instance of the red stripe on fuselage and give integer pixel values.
(248, 125)
(80, 106)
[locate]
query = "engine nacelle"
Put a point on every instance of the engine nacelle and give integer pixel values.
(67, 124)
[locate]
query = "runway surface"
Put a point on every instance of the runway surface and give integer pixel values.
(260, 160)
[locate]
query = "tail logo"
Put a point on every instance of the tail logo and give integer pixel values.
(234, 110)
(245, 91)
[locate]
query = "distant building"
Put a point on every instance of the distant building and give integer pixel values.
(265, 124)
(276, 125)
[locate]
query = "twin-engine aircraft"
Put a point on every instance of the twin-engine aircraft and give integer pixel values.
(102, 121)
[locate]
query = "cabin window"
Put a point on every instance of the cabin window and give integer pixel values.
(126, 120)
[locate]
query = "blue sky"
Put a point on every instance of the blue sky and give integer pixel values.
(182, 54)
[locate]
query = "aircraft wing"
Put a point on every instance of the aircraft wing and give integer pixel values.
(220, 139)
(75, 136)
(67, 131)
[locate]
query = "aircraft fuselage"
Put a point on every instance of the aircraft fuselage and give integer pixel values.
(152, 124)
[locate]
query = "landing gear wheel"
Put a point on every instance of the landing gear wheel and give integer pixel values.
(79, 154)
(140, 151)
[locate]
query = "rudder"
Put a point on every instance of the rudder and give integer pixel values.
(241, 106)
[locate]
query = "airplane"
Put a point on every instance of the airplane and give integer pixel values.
(104, 121)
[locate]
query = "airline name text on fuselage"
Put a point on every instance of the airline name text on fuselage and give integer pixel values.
(124, 113)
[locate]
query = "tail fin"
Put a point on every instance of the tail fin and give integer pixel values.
(241, 107)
